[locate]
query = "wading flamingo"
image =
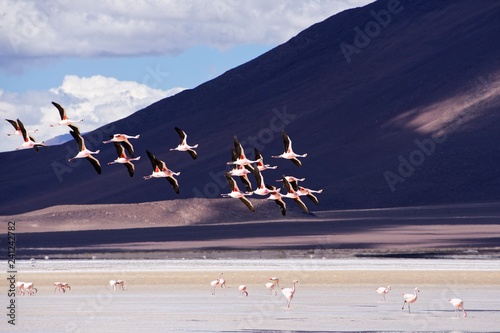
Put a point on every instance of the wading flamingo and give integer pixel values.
(215, 283)
(117, 284)
(64, 118)
(62, 286)
(288, 153)
(29, 287)
(29, 141)
(243, 290)
(20, 287)
(382, 291)
(293, 195)
(83, 152)
(272, 285)
(289, 292)
(123, 139)
(183, 146)
(18, 128)
(409, 299)
(458, 304)
(160, 170)
(124, 159)
(236, 193)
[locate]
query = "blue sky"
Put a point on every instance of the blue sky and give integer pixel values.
(105, 60)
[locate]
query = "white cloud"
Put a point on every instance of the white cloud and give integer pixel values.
(97, 99)
(64, 28)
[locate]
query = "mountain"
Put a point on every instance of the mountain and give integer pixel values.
(396, 104)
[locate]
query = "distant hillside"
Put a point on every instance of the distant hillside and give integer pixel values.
(396, 104)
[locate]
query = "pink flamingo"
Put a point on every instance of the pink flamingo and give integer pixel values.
(17, 128)
(260, 161)
(288, 153)
(61, 286)
(124, 159)
(309, 193)
(29, 141)
(117, 284)
(262, 188)
(241, 171)
(277, 198)
(83, 152)
(382, 291)
(215, 283)
(29, 287)
(289, 292)
(183, 146)
(236, 193)
(160, 170)
(409, 299)
(293, 195)
(243, 290)
(458, 304)
(241, 157)
(272, 285)
(64, 118)
(123, 139)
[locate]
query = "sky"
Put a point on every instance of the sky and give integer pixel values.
(104, 60)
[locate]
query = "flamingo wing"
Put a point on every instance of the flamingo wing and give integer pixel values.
(282, 205)
(128, 146)
(313, 198)
(95, 163)
(301, 204)
(296, 162)
(174, 184)
(153, 159)
(192, 153)
(74, 128)
(79, 139)
(247, 203)
(246, 182)
(130, 167)
(287, 143)
(62, 112)
(119, 149)
(23, 131)
(182, 136)
(14, 123)
(231, 182)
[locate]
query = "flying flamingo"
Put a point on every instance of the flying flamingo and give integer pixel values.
(260, 161)
(289, 292)
(294, 181)
(124, 159)
(241, 157)
(117, 284)
(64, 118)
(61, 286)
(458, 304)
(18, 128)
(271, 285)
(277, 197)
(29, 142)
(215, 283)
(262, 188)
(183, 146)
(236, 193)
(309, 193)
(160, 170)
(288, 153)
(293, 195)
(83, 152)
(409, 299)
(123, 139)
(240, 171)
(243, 290)
(382, 291)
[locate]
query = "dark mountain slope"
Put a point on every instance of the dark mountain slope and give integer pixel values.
(410, 116)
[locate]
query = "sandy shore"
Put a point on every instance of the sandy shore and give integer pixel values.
(332, 295)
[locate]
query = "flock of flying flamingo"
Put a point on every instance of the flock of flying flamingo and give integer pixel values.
(241, 165)
(458, 304)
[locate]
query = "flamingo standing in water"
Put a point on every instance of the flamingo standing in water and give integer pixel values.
(117, 284)
(29, 287)
(293, 195)
(64, 118)
(215, 283)
(236, 193)
(160, 170)
(409, 299)
(289, 292)
(260, 161)
(17, 128)
(124, 159)
(61, 286)
(29, 142)
(458, 304)
(83, 152)
(123, 139)
(382, 291)
(288, 153)
(243, 290)
(272, 285)
(183, 146)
